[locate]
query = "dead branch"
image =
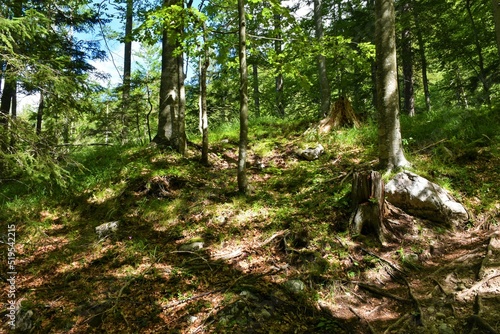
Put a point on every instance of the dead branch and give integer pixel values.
(430, 145)
(381, 292)
(473, 289)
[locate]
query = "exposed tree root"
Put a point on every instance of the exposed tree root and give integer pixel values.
(381, 292)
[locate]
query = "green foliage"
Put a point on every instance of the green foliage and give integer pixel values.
(35, 161)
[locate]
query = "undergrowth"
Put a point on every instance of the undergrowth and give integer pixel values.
(163, 200)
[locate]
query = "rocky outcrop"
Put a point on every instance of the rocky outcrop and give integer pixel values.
(422, 198)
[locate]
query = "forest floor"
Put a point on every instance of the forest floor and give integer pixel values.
(191, 255)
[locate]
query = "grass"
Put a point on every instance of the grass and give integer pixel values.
(163, 200)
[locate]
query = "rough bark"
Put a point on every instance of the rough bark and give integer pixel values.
(280, 107)
(204, 63)
(242, 155)
(39, 114)
(423, 61)
(324, 86)
(169, 95)
(391, 154)
(180, 124)
(496, 17)
(479, 51)
(127, 69)
(407, 59)
(256, 92)
(368, 205)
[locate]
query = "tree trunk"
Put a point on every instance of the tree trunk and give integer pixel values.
(9, 90)
(181, 118)
(169, 96)
(324, 86)
(204, 63)
(423, 61)
(479, 50)
(407, 57)
(39, 114)
(391, 154)
(256, 92)
(496, 18)
(368, 205)
(280, 107)
(242, 155)
(127, 69)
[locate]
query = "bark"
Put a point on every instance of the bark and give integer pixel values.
(181, 119)
(407, 58)
(479, 50)
(39, 114)
(127, 68)
(280, 107)
(423, 61)
(204, 63)
(242, 155)
(496, 17)
(368, 205)
(256, 92)
(169, 95)
(9, 91)
(324, 86)
(391, 154)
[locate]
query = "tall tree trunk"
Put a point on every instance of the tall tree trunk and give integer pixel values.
(496, 17)
(9, 91)
(39, 114)
(479, 50)
(407, 57)
(204, 63)
(423, 60)
(127, 68)
(280, 107)
(181, 118)
(324, 86)
(256, 92)
(391, 154)
(242, 155)
(169, 95)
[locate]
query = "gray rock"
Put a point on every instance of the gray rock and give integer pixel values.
(191, 247)
(107, 229)
(422, 198)
(295, 286)
(311, 153)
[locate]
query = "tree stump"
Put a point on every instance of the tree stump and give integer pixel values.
(368, 204)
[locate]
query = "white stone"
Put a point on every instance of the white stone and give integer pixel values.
(422, 198)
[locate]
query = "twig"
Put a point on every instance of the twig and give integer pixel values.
(197, 255)
(430, 145)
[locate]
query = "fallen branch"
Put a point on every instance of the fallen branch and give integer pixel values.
(430, 145)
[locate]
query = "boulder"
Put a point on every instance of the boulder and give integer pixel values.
(422, 198)
(106, 229)
(311, 153)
